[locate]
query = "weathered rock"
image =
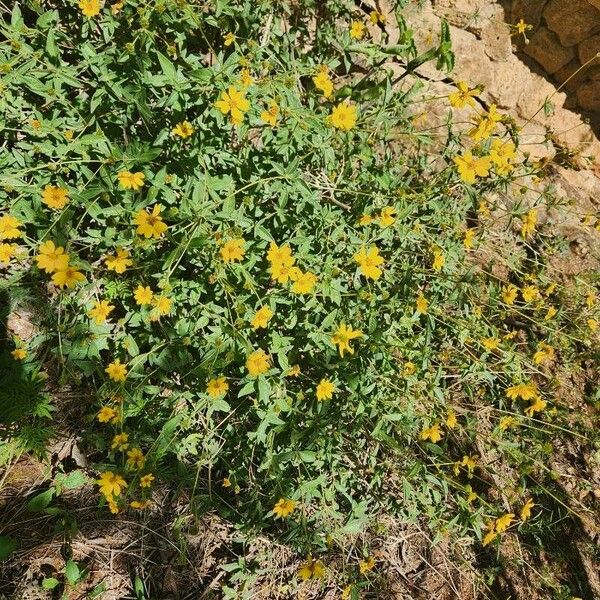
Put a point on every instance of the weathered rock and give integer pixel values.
(588, 95)
(497, 43)
(546, 49)
(589, 48)
(573, 21)
(572, 70)
(528, 10)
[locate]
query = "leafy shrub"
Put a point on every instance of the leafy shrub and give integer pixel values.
(270, 295)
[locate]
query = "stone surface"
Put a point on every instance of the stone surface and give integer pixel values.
(589, 48)
(572, 20)
(528, 10)
(569, 71)
(546, 49)
(588, 95)
(510, 84)
(497, 44)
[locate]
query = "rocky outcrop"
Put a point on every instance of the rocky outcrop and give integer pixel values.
(564, 38)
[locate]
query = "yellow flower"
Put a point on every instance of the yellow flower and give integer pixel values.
(343, 336)
(234, 103)
(386, 217)
(364, 566)
(51, 258)
(131, 181)
(538, 406)
(489, 537)
(217, 387)
(469, 462)
(55, 197)
(116, 370)
(284, 508)
(343, 116)
(365, 219)
(357, 30)
(524, 391)
(526, 510)
(469, 238)
(422, 304)
(281, 272)
(323, 82)
(376, 17)
(90, 8)
(463, 96)
(228, 39)
(106, 414)
(485, 125)
(502, 154)
(146, 480)
(304, 283)
(592, 324)
(509, 294)
(261, 317)
(100, 311)
(270, 116)
(257, 363)
(529, 223)
(116, 8)
(451, 420)
(7, 251)
(280, 255)
(438, 260)
(19, 353)
(162, 306)
(369, 261)
(504, 522)
(530, 293)
(346, 592)
(140, 504)
(325, 390)
(246, 78)
(521, 27)
(135, 459)
(67, 276)
(471, 495)
(311, 569)
(550, 313)
(470, 167)
(507, 423)
(432, 433)
(544, 354)
(490, 343)
(293, 371)
(143, 295)
(119, 261)
(9, 227)
(226, 482)
(590, 299)
(409, 369)
(150, 224)
(110, 484)
(120, 442)
(184, 130)
(232, 250)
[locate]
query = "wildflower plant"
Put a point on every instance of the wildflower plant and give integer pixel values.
(253, 276)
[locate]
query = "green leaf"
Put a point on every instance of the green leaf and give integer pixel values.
(7, 546)
(50, 583)
(41, 501)
(72, 572)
